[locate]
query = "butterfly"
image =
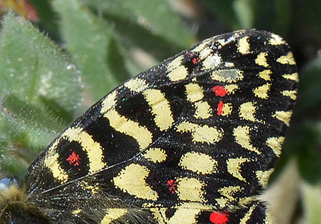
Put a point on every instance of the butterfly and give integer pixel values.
(191, 140)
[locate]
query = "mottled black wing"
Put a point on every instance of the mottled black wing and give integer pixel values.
(192, 140)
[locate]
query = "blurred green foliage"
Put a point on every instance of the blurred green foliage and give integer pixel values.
(81, 49)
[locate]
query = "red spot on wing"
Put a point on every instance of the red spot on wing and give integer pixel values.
(219, 218)
(172, 186)
(220, 107)
(194, 57)
(219, 91)
(73, 159)
(195, 60)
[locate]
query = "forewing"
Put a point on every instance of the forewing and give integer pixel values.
(200, 132)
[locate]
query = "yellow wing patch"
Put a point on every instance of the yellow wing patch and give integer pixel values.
(108, 102)
(261, 59)
(283, 116)
(51, 161)
(113, 214)
(286, 59)
(123, 125)
(190, 189)
(200, 133)
(275, 143)
(227, 109)
(203, 46)
(243, 45)
(203, 110)
(229, 192)
(184, 212)
(198, 162)
(262, 91)
(266, 74)
(160, 108)
(136, 84)
(276, 40)
(156, 155)
(242, 137)
(248, 215)
(234, 167)
(293, 76)
(194, 92)
(247, 111)
(231, 88)
(176, 71)
(132, 180)
(263, 177)
(290, 93)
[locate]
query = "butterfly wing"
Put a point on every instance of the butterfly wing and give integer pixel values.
(192, 140)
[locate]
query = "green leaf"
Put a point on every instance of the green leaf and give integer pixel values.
(310, 86)
(132, 34)
(310, 19)
(20, 143)
(25, 129)
(30, 115)
(117, 61)
(40, 91)
(311, 203)
(225, 11)
(245, 13)
(158, 16)
(284, 16)
(33, 68)
(309, 155)
(47, 18)
(235, 14)
(273, 15)
(88, 39)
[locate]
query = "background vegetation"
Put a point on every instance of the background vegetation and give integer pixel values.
(71, 53)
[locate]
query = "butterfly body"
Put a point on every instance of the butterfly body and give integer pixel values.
(191, 140)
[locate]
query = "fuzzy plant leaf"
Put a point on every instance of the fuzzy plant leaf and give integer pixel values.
(34, 68)
(41, 90)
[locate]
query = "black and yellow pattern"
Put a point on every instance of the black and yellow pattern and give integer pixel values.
(192, 140)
